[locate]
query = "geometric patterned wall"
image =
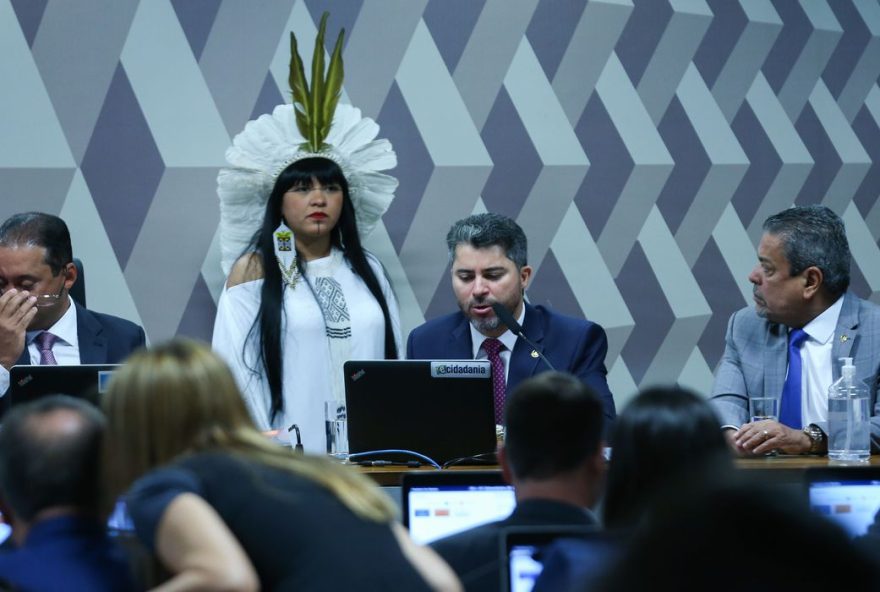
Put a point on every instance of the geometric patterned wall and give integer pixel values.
(639, 143)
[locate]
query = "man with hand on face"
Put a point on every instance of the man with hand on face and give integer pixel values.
(804, 318)
(488, 256)
(39, 322)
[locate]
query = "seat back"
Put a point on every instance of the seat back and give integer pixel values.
(78, 291)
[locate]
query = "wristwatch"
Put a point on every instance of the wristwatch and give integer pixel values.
(818, 439)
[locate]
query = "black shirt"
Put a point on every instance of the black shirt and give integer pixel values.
(297, 533)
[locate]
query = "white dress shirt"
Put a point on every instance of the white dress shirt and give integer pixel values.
(816, 369)
(816, 365)
(507, 338)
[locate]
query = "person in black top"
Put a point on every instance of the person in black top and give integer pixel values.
(665, 434)
(718, 531)
(222, 505)
(552, 455)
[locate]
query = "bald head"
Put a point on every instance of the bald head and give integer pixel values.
(49, 456)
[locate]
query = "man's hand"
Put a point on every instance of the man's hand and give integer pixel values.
(17, 310)
(761, 437)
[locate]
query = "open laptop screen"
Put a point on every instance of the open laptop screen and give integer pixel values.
(119, 521)
(438, 504)
(850, 496)
(5, 530)
(541, 558)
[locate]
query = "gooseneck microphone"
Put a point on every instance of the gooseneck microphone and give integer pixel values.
(505, 317)
(299, 444)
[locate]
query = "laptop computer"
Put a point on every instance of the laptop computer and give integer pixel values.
(554, 557)
(441, 409)
(87, 381)
(849, 496)
(438, 504)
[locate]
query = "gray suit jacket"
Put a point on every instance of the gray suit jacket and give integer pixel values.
(756, 358)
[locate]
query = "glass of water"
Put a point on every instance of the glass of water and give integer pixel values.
(763, 408)
(336, 427)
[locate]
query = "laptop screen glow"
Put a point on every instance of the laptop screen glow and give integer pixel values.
(851, 504)
(436, 512)
(524, 568)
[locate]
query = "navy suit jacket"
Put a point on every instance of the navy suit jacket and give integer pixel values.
(474, 554)
(67, 553)
(572, 345)
(103, 339)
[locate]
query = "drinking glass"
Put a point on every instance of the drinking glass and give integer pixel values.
(763, 408)
(336, 427)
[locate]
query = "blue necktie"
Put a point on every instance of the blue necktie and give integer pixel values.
(790, 405)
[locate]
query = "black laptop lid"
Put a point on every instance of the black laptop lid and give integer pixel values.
(441, 409)
(27, 383)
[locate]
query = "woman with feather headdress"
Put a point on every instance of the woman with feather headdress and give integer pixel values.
(302, 189)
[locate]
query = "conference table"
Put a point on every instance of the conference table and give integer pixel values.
(777, 470)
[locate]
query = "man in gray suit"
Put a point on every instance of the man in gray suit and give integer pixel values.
(804, 318)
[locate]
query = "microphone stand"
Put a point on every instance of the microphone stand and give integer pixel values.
(505, 317)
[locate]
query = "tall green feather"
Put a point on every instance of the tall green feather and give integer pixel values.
(333, 85)
(315, 113)
(299, 89)
(315, 106)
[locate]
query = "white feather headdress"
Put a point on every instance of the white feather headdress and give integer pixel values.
(270, 143)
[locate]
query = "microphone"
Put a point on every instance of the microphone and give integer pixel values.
(505, 317)
(299, 445)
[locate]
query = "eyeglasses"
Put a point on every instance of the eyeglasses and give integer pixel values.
(304, 190)
(46, 300)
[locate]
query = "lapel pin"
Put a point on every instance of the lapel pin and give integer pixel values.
(534, 354)
(844, 338)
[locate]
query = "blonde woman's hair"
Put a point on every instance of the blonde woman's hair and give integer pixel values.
(181, 398)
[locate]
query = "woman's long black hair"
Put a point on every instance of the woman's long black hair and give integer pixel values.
(662, 435)
(344, 237)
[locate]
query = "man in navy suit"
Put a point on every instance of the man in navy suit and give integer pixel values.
(552, 455)
(49, 487)
(39, 322)
(488, 255)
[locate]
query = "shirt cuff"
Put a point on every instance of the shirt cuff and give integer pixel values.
(4, 380)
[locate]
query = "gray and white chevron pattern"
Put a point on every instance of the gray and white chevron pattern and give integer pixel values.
(639, 143)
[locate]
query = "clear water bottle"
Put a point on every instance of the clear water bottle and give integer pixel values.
(848, 417)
